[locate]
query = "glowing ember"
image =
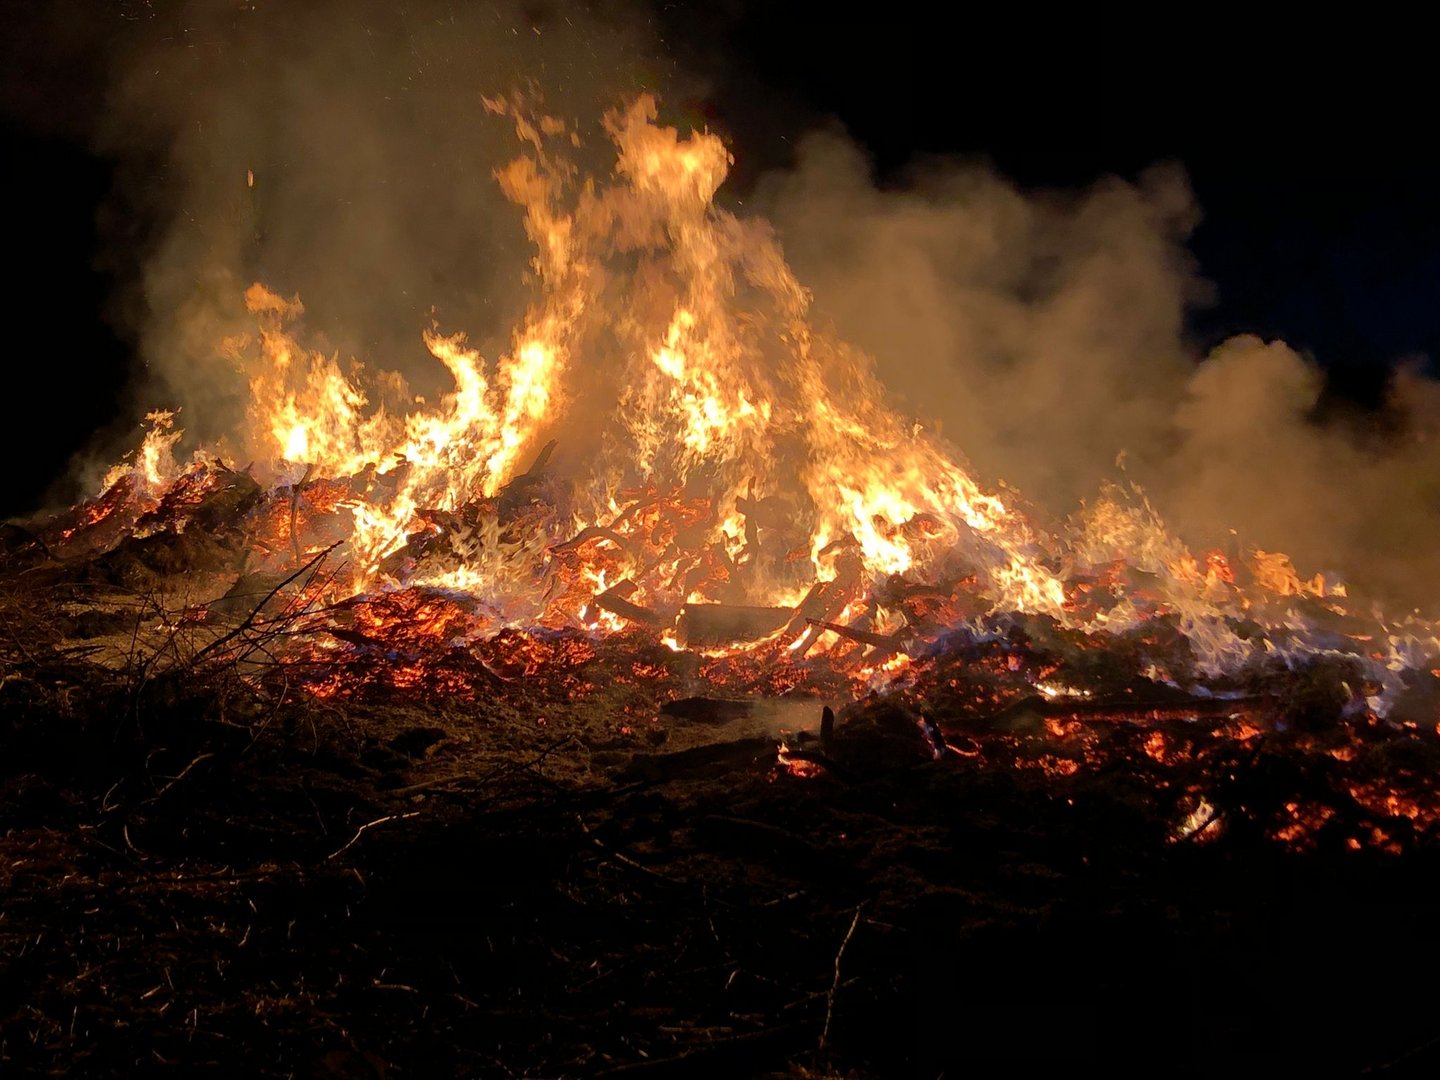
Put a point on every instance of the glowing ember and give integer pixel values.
(1201, 823)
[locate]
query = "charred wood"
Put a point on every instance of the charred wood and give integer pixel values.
(1214, 710)
(715, 758)
(707, 710)
(614, 600)
(542, 459)
(523, 488)
(884, 643)
(598, 532)
(822, 604)
(726, 624)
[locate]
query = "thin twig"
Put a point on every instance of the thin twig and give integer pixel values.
(504, 767)
(250, 620)
(179, 776)
(626, 860)
(279, 704)
(835, 982)
(367, 826)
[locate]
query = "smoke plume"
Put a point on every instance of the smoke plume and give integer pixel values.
(1045, 333)
(340, 151)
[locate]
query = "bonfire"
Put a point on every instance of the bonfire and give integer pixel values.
(672, 592)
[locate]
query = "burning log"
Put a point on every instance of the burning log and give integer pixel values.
(820, 605)
(598, 532)
(926, 606)
(1129, 711)
(98, 523)
(884, 643)
(728, 624)
(770, 512)
(616, 600)
(520, 490)
(824, 601)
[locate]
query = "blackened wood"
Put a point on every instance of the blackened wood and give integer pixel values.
(1138, 712)
(885, 643)
(714, 710)
(596, 532)
(724, 624)
(614, 601)
(715, 758)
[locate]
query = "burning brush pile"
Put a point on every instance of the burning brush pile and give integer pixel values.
(394, 730)
(675, 483)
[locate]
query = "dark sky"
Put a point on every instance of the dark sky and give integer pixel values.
(1309, 148)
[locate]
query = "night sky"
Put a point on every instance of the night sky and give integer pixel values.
(1309, 149)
